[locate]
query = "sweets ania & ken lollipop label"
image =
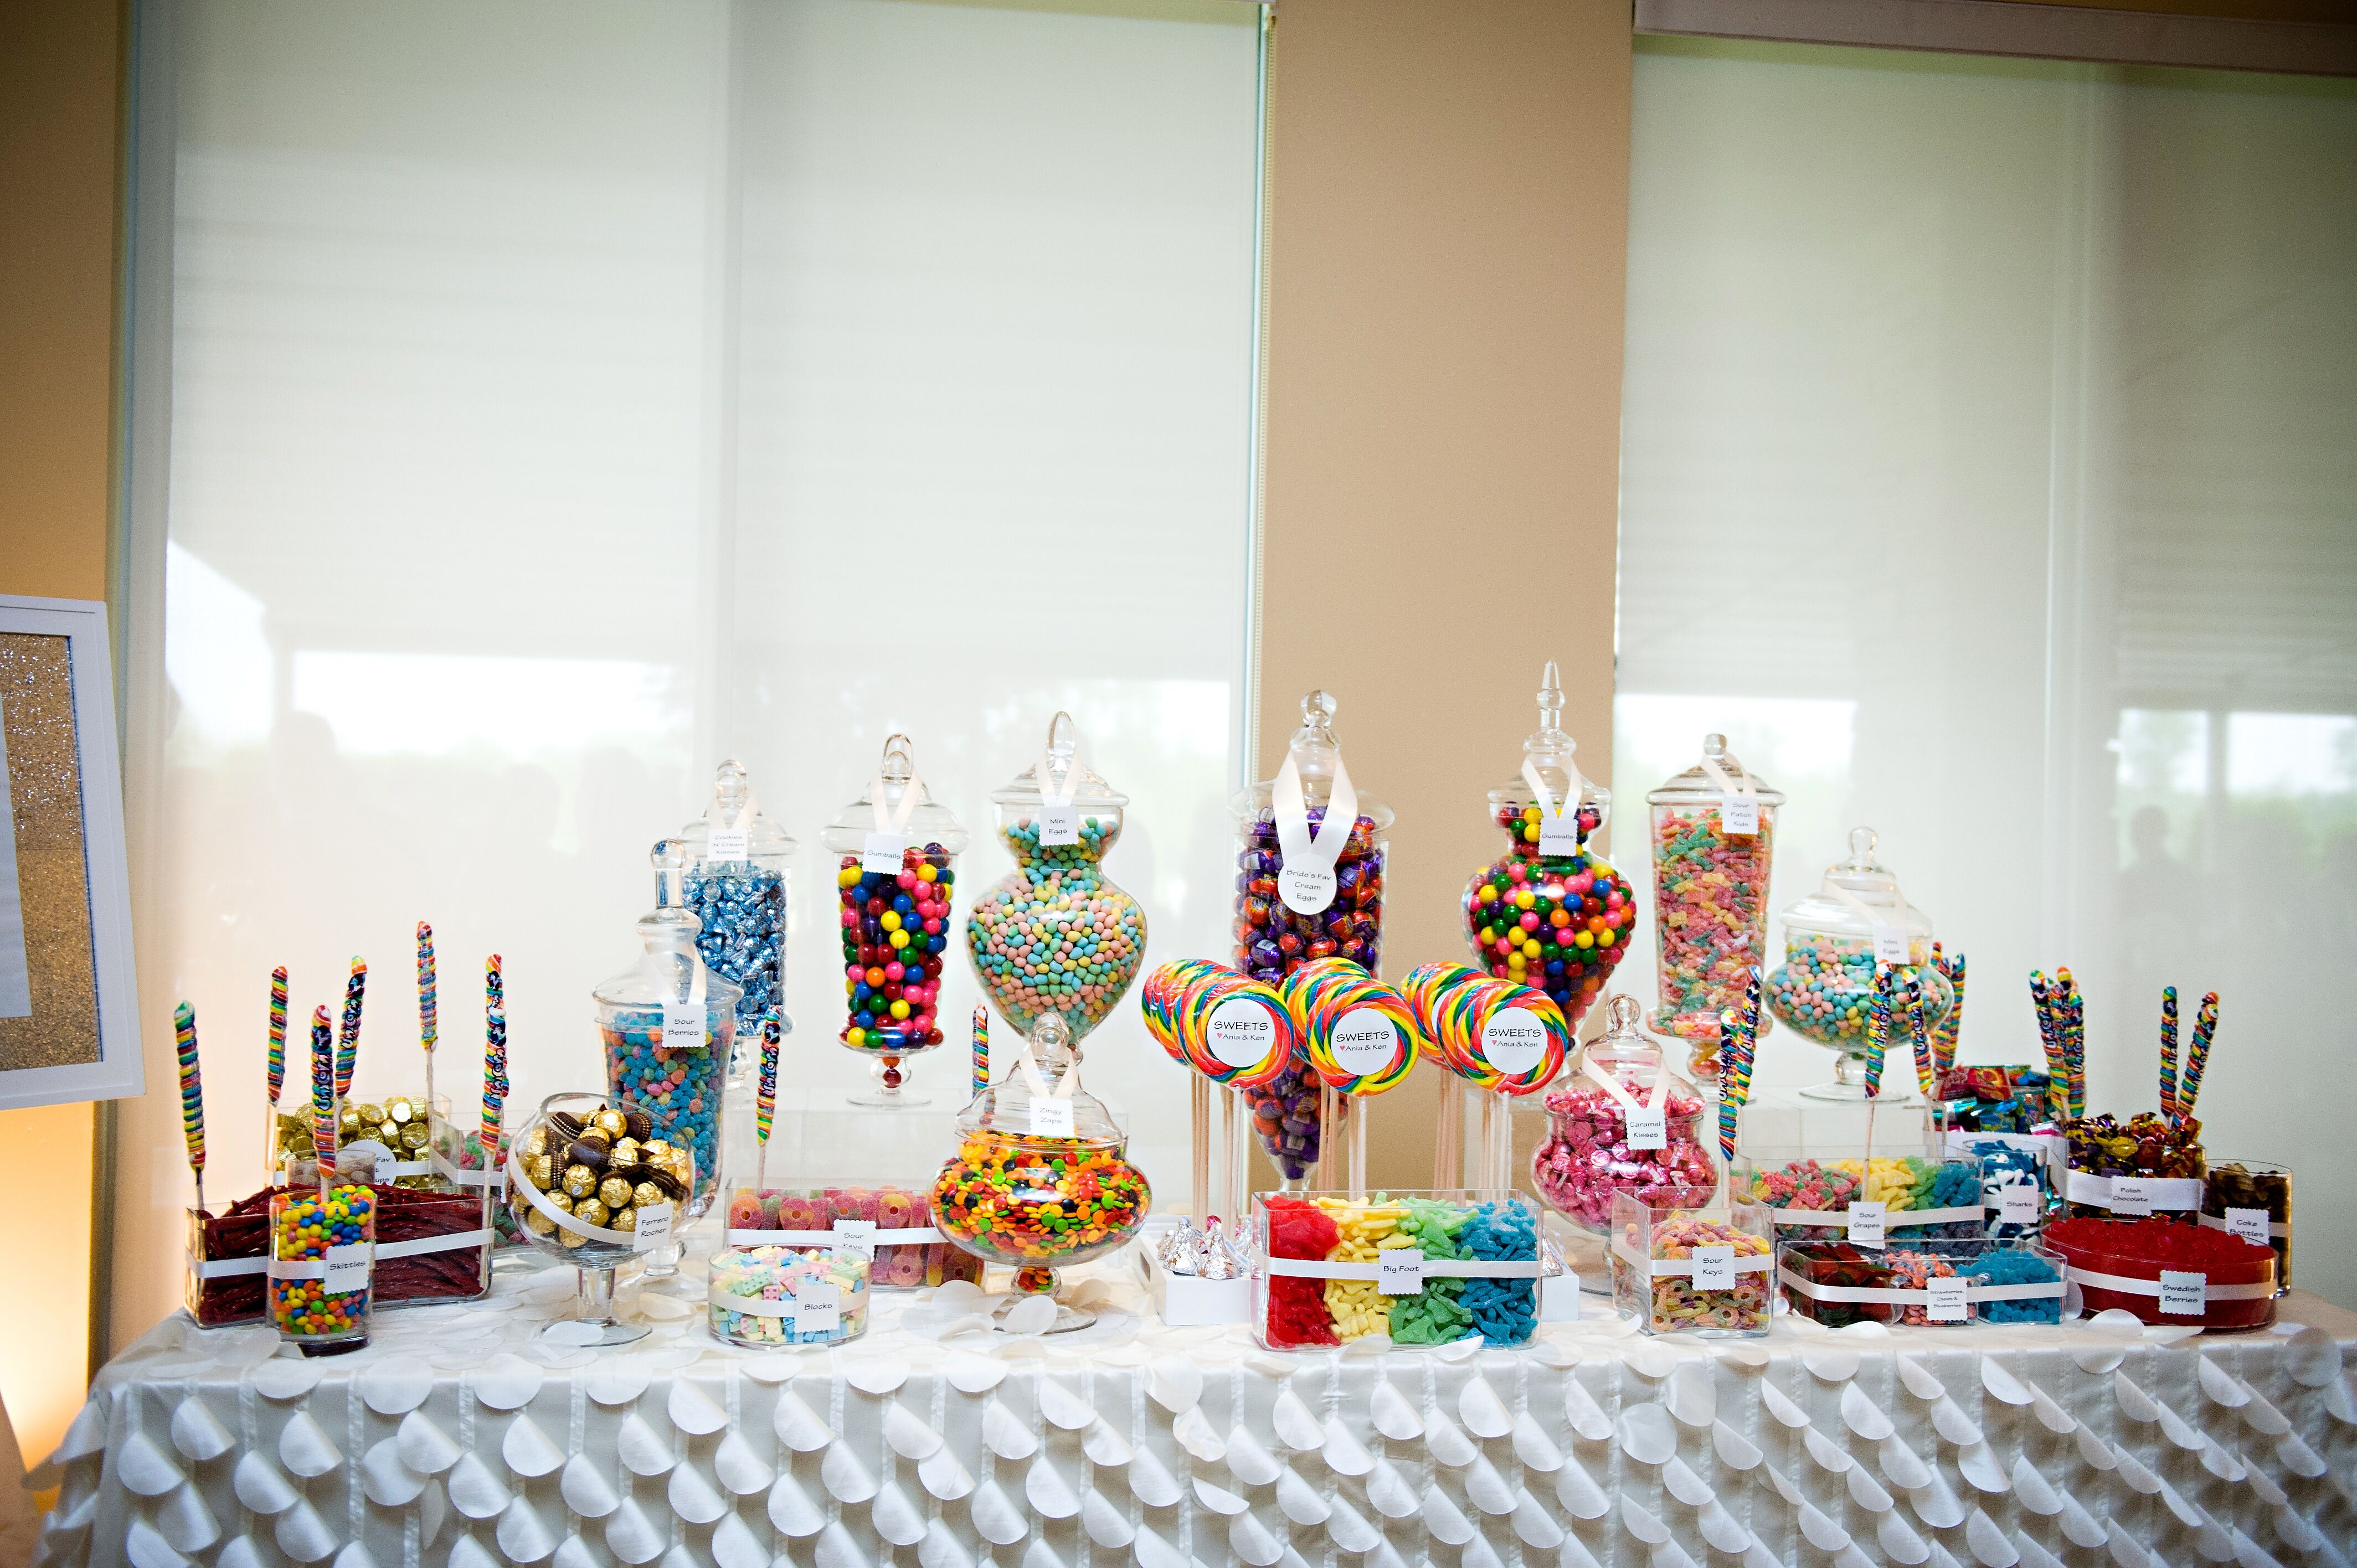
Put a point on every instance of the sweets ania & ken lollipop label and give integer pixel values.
(1242, 1031)
(1365, 1042)
(1512, 1042)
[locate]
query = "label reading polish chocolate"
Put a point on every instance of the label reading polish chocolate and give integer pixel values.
(2131, 1196)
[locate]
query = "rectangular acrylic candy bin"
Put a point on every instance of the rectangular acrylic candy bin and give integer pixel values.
(430, 1247)
(909, 1254)
(1460, 1264)
(1933, 1283)
(1678, 1270)
(2168, 1273)
(1839, 1180)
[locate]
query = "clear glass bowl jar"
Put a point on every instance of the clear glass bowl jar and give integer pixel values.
(1331, 906)
(1823, 990)
(1550, 912)
(1592, 1152)
(738, 875)
(1042, 1177)
(762, 1298)
(895, 879)
(667, 1024)
(1055, 934)
(1710, 892)
(1678, 1272)
(591, 1184)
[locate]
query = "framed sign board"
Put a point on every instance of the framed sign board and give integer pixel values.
(69, 994)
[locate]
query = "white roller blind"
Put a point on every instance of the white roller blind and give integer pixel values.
(565, 397)
(1990, 479)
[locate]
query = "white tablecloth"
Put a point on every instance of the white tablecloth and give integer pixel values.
(459, 1437)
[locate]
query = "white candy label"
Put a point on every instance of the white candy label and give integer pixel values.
(1306, 890)
(729, 843)
(2182, 1295)
(683, 1024)
(881, 852)
(2131, 1196)
(1399, 1271)
(1947, 1303)
(1890, 943)
(1242, 1032)
(1738, 815)
(1559, 834)
(654, 1228)
(854, 1235)
(1514, 1042)
(1865, 1224)
(1059, 824)
(348, 1269)
(2019, 1204)
(384, 1164)
(818, 1308)
(1649, 1127)
(1714, 1268)
(1365, 1042)
(2250, 1224)
(1559, 1298)
(1052, 1118)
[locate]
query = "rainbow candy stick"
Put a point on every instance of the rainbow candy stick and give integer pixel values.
(1739, 1041)
(2169, 1052)
(982, 1046)
(1877, 1030)
(2197, 1055)
(764, 1097)
(1917, 1035)
(348, 1033)
(323, 1096)
(1943, 1037)
(192, 1094)
(2049, 1040)
(278, 1034)
(429, 1022)
(495, 1059)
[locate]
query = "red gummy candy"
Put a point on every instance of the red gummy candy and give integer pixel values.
(1296, 1308)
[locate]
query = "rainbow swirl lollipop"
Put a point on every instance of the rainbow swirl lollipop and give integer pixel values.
(1164, 993)
(1358, 1033)
(1495, 1034)
(1235, 1030)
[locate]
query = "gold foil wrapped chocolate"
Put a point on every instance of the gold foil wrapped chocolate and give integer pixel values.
(614, 1192)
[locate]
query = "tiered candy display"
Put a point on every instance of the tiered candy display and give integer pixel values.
(1900, 1183)
(1295, 1313)
(1587, 1158)
(313, 1228)
(739, 863)
(1825, 1270)
(747, 1288)
(601, 1164)
(2126, 1263)
(888, 1208)
(1683, 1299)
(1710, 892)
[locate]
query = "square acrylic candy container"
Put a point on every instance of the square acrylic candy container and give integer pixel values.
(1836, 1284)
(430, 1247)
(807, 1215)
(2168, 1272)
(1464, 1264)
(1923, 1197)
(1678, 1270)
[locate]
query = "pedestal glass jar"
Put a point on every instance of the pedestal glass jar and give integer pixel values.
(1834, 940)
(1621, 1122)
(667, 1024)
(895, 880)
(1055, 934)
(738, 873)
(1042, 1177)
(1550, 912)
(590, 1184)
(1306, 890)
(1714, 836)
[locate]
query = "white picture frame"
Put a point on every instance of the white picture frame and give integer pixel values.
(120, 1071)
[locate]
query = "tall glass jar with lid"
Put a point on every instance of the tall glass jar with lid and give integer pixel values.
(1834, 941)
(1714, 836)
(1550, 912)
(736, 883)
(896, 878)
(1310, 852)
(1055, 934)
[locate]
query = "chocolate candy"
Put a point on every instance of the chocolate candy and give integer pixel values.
(741, 905)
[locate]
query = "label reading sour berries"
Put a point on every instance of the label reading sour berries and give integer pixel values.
(2183, 1295)
(1365, 1043)
(1514, 1042)
(1242, 1032)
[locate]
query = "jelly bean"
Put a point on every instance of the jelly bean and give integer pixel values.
(681, 1088)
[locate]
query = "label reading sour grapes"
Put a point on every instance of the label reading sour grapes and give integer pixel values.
(1242, 1032)
(1365, 1042)
(1513, 1041)
(1865, 1224)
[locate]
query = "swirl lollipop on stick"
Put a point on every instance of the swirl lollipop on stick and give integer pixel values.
(2196, 1056)
(323, 1097)
(274, 1064)
(348, 1032)
(765, 1098)
(981, 1049)
(2169, 1052)
(1877, 1030)
(1359, 1037)
(495, 1060)
(1739, 1035)
(428, 1019)
(192, 1094)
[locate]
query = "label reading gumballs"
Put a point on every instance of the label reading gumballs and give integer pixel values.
(881, 852)
(1306, 890)
(1559, 831)
(1059, 824)
(1365, 1043)
(1242, 1032)
(1514, 1042)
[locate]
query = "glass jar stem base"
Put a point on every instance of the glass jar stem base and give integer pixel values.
(1849, 1084)
(332, 1347)
(890, 1088)
(1032, 1281)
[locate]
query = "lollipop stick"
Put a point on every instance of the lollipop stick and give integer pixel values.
(1358, 1118)
(1199, 1132)
(1231, 1198)
(1448, 1140)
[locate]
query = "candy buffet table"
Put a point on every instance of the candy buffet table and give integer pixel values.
(463, 1437)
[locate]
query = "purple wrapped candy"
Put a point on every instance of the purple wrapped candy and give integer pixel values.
(1284, 1116)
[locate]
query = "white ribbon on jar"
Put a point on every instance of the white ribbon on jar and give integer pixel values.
(1654, 1134)
(1559, 822)
(890, 837)
(1739, 798)
(1887, 928)
(729, 836)
(1306, 879)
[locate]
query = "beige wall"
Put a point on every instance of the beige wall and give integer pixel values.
(57, 158)
(1449, 237)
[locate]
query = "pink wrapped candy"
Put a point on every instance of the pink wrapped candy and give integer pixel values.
(1587, 1159)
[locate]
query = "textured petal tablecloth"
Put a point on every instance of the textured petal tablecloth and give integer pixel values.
(459, 1436)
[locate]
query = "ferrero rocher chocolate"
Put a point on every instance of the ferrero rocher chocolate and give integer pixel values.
(589, 1150)
(623, 1220)
(536, 1143)
(613, 1124)
(614, 1192)
(589, 1212)
(625, 1151)
(645, 1193)
(400, 1111)
(558, 1201)
(600, 1168)
(537, 1170)
(580, 1181)
(541, 1223)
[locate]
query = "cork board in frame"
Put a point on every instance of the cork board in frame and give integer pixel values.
(69, 994)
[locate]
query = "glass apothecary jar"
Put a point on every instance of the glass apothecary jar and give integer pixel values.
(667, 1024)
(1305, 890)
(1550, 912)
(1055, 934)
(1834, 938)
(1713, 837)
(322, 1267)
(591, 1184)
(896, 878)
(1041, 1177)
(1623, 1124)
(738, 883)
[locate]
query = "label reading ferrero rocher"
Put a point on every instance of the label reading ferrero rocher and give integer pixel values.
(653, 1230)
